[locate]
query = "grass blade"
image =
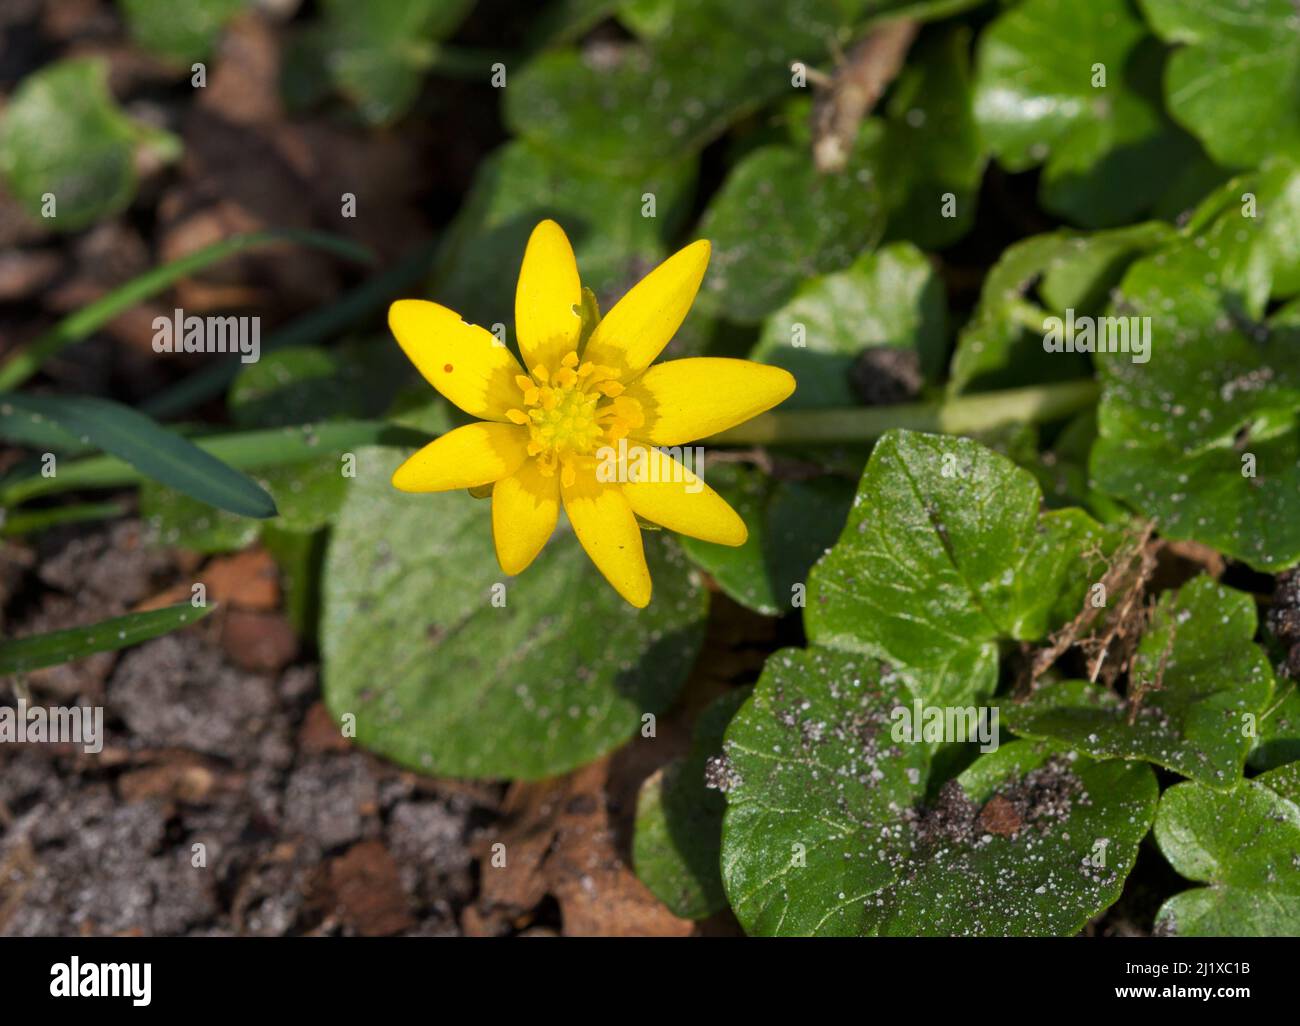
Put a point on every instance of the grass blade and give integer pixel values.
(246, 450)
(157, 453)
(24, 654)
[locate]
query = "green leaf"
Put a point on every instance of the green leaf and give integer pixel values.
(378, 53)
(307, 383)
(307, 497)
(183, 30)
(889, 298)
(1108, 151)
(1002, 344)
(824, 831)
(1233, 82)
(716, 61)
(517, 187)
(1203, 436)
(1244, 843)
(776, 221)
(157, 453)
(275, 447)
(443, 679)
(929, 145)
(945, 554)
(815, 778)
(1195, 724)
(22, 655)
(1053, 876)
(678, 834)
(298, 557)
(63, 136)
(791, 523)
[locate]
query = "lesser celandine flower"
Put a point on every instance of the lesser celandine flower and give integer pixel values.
(546, 428)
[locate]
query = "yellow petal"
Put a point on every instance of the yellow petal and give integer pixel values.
(675, 497)
(632, 334)
(546, 320)
(688, 399)
(464, 362)
(525, 507)
(473, 455)
(603, 520)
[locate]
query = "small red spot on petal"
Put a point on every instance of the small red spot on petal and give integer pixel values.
(447, 367)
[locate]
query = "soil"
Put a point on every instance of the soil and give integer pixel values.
(226, 800)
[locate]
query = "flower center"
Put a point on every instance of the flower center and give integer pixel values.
(572, 412)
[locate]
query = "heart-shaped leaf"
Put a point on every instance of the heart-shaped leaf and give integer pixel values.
(1076, 86)
(1244, 843)
(1233, 81)
(449, 667)
(946, 553)
(825, 831)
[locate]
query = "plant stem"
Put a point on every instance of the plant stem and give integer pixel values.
(25, 362)
(964, 415)
(41, 519)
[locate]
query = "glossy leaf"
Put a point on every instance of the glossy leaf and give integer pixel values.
(1244, 843)
(946, 553)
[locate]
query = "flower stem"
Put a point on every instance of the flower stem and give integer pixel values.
(968, 414)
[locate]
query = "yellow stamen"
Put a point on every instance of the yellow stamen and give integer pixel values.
(570, 412)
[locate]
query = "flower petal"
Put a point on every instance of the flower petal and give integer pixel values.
(525, 507)
(546, 320)
(675, 497)
(473, 455)
(631, 335)
(603, 520)
(688, 399)
(464, 362)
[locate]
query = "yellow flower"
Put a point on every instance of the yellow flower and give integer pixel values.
(546, 436)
